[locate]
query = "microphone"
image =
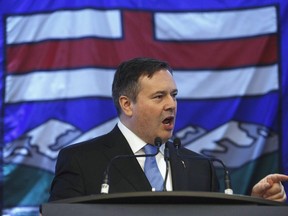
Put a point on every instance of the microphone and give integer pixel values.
(227, 181)
(105, 184)
(166, 158)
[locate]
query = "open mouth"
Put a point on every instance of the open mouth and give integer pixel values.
(168, 121)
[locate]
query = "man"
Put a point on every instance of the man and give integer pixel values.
(144, 94)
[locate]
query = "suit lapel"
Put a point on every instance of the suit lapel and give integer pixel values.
(128, 169)
(179, 170)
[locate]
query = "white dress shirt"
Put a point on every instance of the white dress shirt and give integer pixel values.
(137, 146)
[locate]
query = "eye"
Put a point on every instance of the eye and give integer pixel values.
(158, 96)
(174, 94)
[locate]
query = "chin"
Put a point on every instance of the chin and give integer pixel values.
(166, 138)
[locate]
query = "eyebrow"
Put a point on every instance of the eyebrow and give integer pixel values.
(164, 92)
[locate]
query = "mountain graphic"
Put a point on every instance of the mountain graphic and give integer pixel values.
(235, 143)
(242, 142)
(40, 146)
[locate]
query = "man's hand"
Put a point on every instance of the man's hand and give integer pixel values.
(271, 188)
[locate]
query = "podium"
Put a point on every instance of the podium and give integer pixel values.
(165, 203)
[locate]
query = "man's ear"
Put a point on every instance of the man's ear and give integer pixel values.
(126, 105)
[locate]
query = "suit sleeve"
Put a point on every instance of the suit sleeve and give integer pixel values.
(68, 180)
(214, 179)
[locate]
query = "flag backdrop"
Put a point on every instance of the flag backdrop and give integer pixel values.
(57, 64)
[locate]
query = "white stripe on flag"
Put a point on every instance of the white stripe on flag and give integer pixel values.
(228, 83)
(215, 25)
(168, 26)
(59, 85)
(97, 82)
(64, 24)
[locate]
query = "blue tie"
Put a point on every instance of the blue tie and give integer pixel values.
(151, 169)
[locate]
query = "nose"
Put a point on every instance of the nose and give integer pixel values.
(170, 103)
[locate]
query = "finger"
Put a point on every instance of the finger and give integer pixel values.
(276, 189)
(276, 178)
(276, 193)
(277, 197)
(260, 188)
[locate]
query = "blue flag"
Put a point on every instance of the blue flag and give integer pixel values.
(58, 59)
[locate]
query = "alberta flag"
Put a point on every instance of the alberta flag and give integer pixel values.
(58, 58)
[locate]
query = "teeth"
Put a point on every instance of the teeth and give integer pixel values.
(167, 121)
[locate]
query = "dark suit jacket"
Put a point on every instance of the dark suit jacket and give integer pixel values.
(80, 169)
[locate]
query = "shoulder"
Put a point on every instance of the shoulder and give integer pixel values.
(187, 151)
(184, 151)
(94, 144)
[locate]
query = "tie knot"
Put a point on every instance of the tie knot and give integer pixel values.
(150, 149)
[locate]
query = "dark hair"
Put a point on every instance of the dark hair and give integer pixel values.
(128, 73)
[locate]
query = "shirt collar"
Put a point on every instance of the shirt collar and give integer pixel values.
(134, 141)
